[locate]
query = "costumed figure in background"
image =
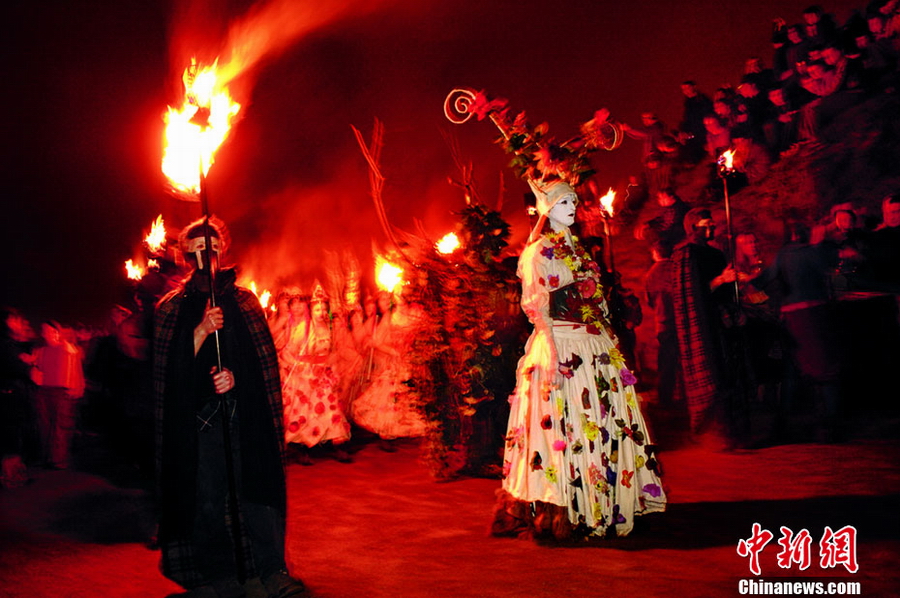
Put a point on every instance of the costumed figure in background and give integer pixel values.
(313, 410)
(578, 458)
(196, 528)
(386, 407)
(280, 321)
(348, 359)
(292, 338)
(362, 323)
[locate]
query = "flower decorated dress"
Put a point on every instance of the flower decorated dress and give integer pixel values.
(583, 446)
(313, 409)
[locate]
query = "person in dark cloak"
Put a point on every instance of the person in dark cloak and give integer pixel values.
(702, 280)
(196, 527)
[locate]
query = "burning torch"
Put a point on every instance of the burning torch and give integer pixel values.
(725, 168)
(607, 211)
(192, 136)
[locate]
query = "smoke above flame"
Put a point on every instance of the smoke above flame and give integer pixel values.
(266, 30)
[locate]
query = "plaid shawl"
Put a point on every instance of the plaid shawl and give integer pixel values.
(697, 327)
(178, 561)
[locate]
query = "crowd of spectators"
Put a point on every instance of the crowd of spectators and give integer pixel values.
(819, 68)
(792, 332)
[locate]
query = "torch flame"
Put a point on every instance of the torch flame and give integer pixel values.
(133, 271)
(726, 160)
(264, 299)
(387, 275)
(156, 239)
(195, 131)
(607, 202)
(448, 244)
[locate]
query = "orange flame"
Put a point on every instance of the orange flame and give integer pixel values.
(264, 297)
(194, 132)
(448, 244)
(133, 271)
(727, 160)
(153, 264)
(607, 202)
(387, 275)
(156, 239)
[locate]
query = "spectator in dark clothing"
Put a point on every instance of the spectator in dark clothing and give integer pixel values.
(819, 26)
(16, 392)
(692, 132)
(665, 164)
(796, 51)
(760, 329)
(802, 272)
(659, 285)
(782, 123)
(751, 159)
(668, 225)
(780, 65)
(636, 195)
(718, 137)
(726, 110)
(649, 133)
(869, 311)
(763, 78)
(879, 54)
(881, 251)
(752, 108)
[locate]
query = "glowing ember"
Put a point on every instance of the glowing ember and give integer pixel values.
(195, 131)
(133, 271)
(726, 160)
(156, 239)
(153, 264)
(607, 202)
(448, 243)
(387, 275)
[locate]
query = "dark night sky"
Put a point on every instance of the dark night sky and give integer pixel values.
(86, 87)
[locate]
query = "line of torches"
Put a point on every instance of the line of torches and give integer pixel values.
(388, 276)
(155, 241)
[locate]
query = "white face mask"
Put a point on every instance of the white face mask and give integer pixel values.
(563, 211)
(197, 246)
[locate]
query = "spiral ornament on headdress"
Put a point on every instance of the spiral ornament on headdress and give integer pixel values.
(458, 104)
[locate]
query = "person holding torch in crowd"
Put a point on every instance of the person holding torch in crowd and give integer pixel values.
(220, 462)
